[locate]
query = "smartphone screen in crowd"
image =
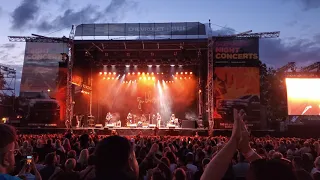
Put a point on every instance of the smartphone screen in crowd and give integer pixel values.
(29, 159)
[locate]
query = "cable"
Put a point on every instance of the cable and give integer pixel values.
(56, 31)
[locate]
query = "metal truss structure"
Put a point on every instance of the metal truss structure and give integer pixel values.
(40, 39)
(290, 66)
(7, 85)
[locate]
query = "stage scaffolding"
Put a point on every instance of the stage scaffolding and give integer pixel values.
(7, 86)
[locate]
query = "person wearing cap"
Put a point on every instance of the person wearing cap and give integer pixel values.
(8, 151)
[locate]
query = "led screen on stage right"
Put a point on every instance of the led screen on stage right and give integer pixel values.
(303, 96)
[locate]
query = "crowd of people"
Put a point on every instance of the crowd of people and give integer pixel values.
(88, 156)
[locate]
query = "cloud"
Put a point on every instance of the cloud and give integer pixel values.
(292, 23)
(310, 4)
(8, 46)
(24, 14)
(69, 17)
(89, 14)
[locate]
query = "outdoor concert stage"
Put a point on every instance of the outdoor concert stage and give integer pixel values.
(124, 131)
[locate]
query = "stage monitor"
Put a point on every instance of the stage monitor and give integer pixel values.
(303, 95)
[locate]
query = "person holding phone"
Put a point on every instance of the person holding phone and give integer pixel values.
(29, 165)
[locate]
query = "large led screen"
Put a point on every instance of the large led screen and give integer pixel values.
(303, 96)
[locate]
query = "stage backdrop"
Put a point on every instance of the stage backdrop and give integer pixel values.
(237, 87)
(147, 97)
(41, 71)
(303, 96)
(233, 50)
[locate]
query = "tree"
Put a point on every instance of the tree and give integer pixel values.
(273, 92)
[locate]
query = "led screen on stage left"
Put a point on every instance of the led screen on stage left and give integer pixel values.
(303, 96)
(41, 72)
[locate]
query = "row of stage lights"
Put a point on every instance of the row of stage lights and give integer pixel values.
(143, 74)
(144, 78)
(135, 81)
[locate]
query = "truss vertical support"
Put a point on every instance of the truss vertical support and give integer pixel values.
(69, 99)
(210, 86)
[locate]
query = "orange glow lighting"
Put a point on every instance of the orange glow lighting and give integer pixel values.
(100, 73)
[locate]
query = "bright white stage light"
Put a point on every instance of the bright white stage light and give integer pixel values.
(127, 66)
(172, 65)
(149, 66)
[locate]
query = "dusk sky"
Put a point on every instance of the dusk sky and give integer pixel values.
(298, 21)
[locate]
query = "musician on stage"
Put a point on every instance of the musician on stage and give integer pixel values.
(143, 118)
(108, 118)
(158, 120)
(129, 118)
(172, 118)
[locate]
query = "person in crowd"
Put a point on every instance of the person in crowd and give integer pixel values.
(172, 159)
(82, 160)
(301, 173)
(116, 159)
(89, 173)
(179, 174)
(316, 168)
(241, 169)
(66, 145)
(27, 167)
(38, 165)
(26, 149)
(68, 172)
(190, 166)
(8, 150)
(199, 173)
(50, 166)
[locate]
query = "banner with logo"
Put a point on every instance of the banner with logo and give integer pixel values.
(237, 87)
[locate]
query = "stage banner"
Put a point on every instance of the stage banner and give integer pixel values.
(42, 72)
(141, 29)
(237, 87)
(232, 49)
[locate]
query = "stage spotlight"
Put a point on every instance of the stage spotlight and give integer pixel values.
(189, 77)
(133, 73)
(172, 65)
(162, 73)
(181, 73)
(150, 66)
(140, 78)
(128, 73)
(190, 72)
(127, 66)
(104, 78)
(153, 78)
(180, 77)
(112, 78)
(186, 73)
(48, 90)
(100, 73)
(105, 73)
(175, 78)
(152, 74)
(185, 77)
(149, 78)
(145, 78)
(158, 65)
(148, 74)
(139, 73)
(177, 73)
(108, 78)
(109, 73)
(114, 73)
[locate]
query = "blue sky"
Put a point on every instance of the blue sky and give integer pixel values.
(298, 21)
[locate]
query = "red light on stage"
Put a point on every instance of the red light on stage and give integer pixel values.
(161, 73)
(133, 73)
(190, 72)
(152, 74)
(109, 73)
(180, 77)
(186, 73)
(177, 73)
(100, 73)
(114, 73)
(128, 73)
(104, 78)
(105, 73)
(175, 78)
(189, 77)
(139, 73)
(143, 73)
(181, 73)
(185, 77)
